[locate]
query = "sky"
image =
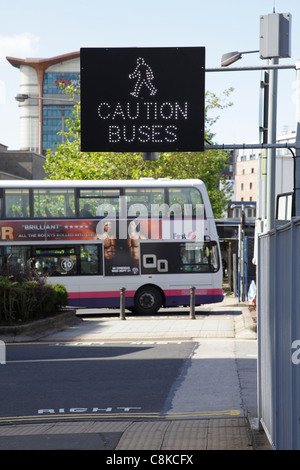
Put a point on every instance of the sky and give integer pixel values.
(35, 29)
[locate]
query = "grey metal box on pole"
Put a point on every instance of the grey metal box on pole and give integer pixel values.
(275, 37)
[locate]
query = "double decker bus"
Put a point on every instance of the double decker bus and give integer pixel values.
(155, 238)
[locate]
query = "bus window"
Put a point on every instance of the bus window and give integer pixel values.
(182, 258)
(96, 202)
(1, 202)
(89, 260)
(214, 257)
(56, 261)
(53, 203)
(186, 198)
(15, 257)
(17, 203)
(150, 198)
(202, 257)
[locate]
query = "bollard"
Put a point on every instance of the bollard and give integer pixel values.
(192, 303)
(122, 303)
(2, 353)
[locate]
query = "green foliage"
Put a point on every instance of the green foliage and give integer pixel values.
(7, 298)
(25, 300)
(68, 162)
(60, 294)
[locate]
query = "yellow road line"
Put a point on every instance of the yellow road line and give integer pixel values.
(123, 416)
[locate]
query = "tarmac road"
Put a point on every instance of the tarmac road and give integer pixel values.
(205, 407)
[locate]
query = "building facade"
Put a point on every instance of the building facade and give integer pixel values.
(250, 170)
(44, 106)
(19, 164)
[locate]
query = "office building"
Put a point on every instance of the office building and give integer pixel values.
(44, 106)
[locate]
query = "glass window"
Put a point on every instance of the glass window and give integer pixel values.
(52, 260)
(147, 200)
(185, 200)
(52, 81)
(99, 202)
(1, 202)
(56, 261)
(199, 257)
(15, 258)
(89, 261)
(49, 203)
(16, 203)
(54, 118)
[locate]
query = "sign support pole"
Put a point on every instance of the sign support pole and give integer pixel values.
(150, 156)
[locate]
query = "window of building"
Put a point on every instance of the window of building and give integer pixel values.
(52, 81)
(54, 118)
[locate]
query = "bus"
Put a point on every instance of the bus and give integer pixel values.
(155, 238)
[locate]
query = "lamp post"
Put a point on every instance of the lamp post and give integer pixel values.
(230, 57)
(267, 198)
(22, 97)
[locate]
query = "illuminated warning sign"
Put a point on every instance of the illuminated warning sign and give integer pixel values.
(142, 99)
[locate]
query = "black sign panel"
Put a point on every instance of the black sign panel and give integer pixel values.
(142, 99)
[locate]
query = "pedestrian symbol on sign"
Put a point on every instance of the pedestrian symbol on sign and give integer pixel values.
(144, 75)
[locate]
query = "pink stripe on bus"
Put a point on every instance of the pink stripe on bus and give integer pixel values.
(168, 292)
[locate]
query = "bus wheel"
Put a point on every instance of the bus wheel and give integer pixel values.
(148, 300)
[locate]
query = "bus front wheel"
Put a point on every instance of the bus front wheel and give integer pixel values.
(148, 300)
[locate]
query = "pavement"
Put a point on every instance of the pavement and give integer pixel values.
(171, 432)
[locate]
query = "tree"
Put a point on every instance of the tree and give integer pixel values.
(68, 162)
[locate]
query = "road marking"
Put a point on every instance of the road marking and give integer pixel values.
(108, 342)
(123, 416)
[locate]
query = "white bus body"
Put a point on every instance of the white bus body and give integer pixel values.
(131, 238)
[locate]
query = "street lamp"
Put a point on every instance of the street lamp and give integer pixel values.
(231, 57)
(267, 202)
(21, 97)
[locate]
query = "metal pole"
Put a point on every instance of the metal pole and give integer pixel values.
(245, 267)
(234, 274)
(242, 266)
(262, 175)
(297, 163)
(122, 303)
(271, 163)
(250, 68)
(239, 263)
(249, 146)
(192, 303)
(150, 156)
